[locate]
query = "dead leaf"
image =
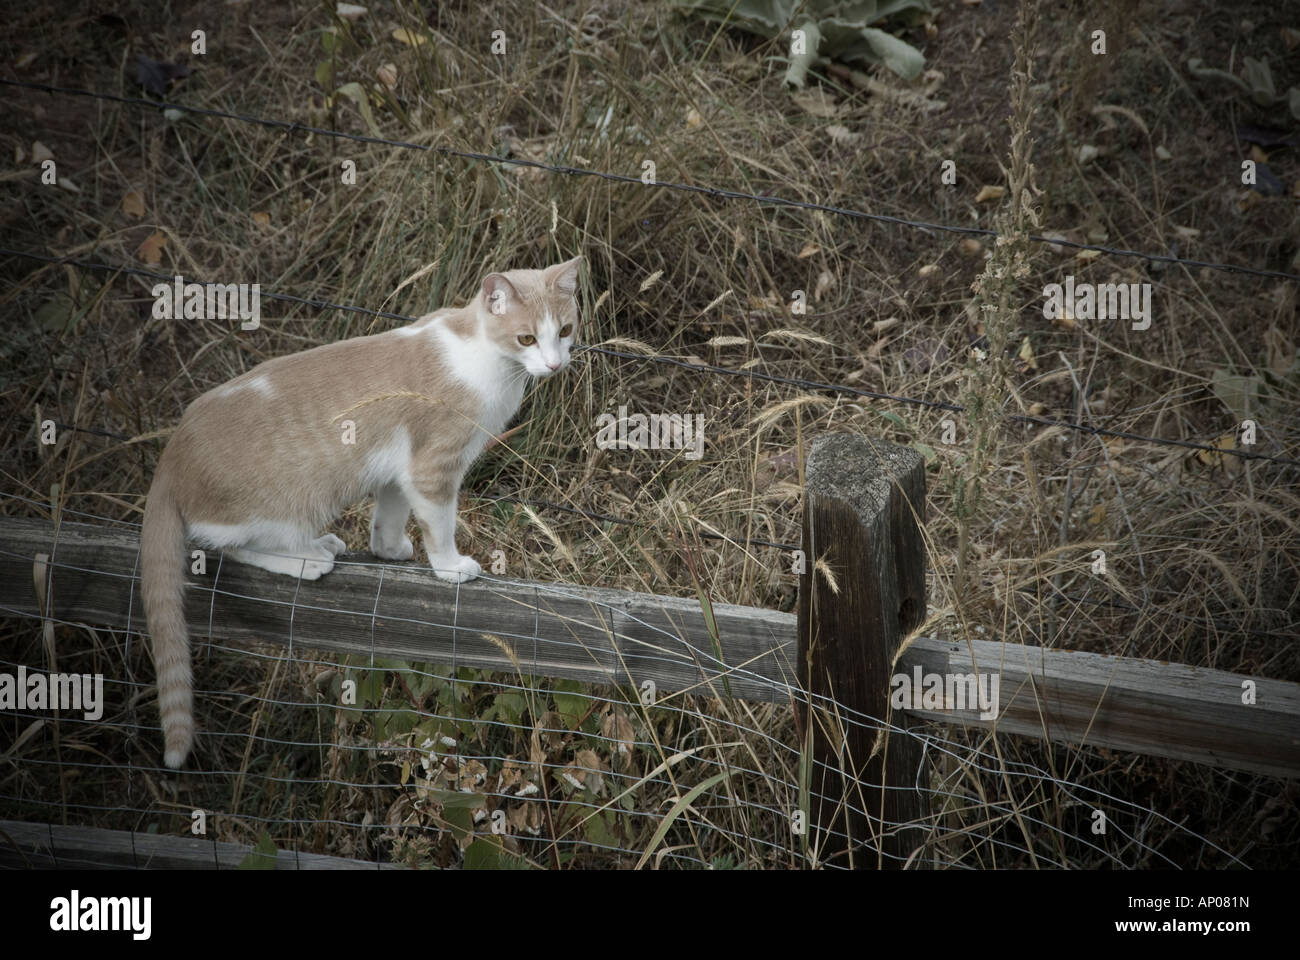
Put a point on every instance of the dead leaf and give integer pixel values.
(261, 218)
(693, 118)
(1098, 515)
(26, 60)
(928, 271)
(151, 250)
(409, 37)
(1258, 155)
(816, 101)
(842, 135)
(970, 246)
(824, 282)
(990, 192)
(591, 764)
(41, 153)
(1212, 458)
(387, 75)
(1086, 255)
(133, 204)
(620, 733)
(809, 249)
(350, 11)
(1025, 358)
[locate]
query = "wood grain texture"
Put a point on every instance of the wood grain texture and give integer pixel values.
(862, 590)
(603, 636)
(37, 846)
(402, 611)
(1124, 703)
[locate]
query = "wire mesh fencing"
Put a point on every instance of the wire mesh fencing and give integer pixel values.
(405, 761)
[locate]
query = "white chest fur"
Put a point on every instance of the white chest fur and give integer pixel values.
(495, 380)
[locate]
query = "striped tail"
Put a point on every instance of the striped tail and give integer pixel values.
(162, 579)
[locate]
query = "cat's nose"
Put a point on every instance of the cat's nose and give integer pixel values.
(553, 365)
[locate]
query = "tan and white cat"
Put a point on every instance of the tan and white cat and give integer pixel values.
(258, 466)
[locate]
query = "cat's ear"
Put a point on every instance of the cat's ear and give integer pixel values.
(565, 275)
(498, 293)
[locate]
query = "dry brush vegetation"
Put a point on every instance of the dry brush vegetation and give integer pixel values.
(1129, 150)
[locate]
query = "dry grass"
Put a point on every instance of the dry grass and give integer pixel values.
(1202, 556)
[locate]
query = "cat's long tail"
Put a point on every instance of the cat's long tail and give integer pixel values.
(162, 580)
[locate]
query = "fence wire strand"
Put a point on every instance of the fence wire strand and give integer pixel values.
(720, 812)
(701, 733)
(699, 368)
(293, 126)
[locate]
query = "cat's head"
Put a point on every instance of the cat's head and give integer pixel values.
(532, 315)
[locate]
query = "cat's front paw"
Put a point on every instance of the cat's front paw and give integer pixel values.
(456, 569)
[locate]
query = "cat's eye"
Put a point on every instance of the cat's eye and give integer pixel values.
(527, 339)
(566, 330)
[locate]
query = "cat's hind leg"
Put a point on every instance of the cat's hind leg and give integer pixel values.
(278, 547)
(310, 562)
(388, 537)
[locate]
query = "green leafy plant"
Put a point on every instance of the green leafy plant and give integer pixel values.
(833, 29)
(1258, 82)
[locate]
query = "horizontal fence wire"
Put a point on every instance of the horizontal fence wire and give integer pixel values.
(698, 368)
(293, 126)
(1107, 601)
(711, 802)
(470, 772)
(996, 825)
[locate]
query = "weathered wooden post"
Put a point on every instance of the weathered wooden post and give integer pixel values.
(861, 591)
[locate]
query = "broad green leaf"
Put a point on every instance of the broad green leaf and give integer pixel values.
(600, 829)
(570, 701)
(483, 854)
(262, 856)
(848, 32)
(358, 95)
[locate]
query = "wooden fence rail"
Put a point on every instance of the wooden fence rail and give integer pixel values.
(865, 510)
(39, 846)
